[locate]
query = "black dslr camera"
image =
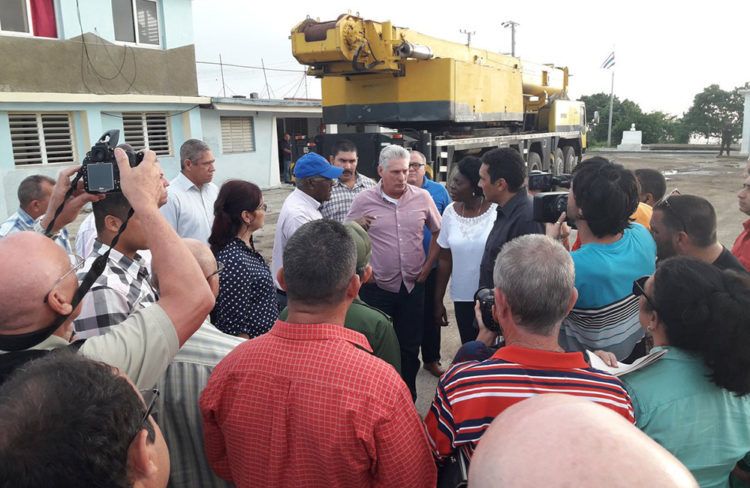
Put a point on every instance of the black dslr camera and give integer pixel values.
(548, 205)
(99, 168)
(545, 182)
(486, 298)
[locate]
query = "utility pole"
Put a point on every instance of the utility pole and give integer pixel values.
(223, 86)
(512, 24)
(468, 36)
(268, 89)
(611, 104)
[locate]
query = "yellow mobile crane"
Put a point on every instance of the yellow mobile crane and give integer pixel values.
(446, 99)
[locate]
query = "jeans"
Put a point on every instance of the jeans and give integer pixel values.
(465, 321)
(407, 310)
(431, 331)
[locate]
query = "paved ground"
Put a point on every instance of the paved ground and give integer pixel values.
(717, 179)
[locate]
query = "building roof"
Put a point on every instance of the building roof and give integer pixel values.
(261, 105)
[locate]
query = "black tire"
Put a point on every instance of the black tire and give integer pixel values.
(570, 159)
(558, 162)
(535, 162)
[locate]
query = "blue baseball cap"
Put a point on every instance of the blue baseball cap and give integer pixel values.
(313, 164)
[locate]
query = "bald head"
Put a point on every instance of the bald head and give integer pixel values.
(560, 440)
(206, 260)
(31, 263)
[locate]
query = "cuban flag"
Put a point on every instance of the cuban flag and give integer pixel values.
(609, 62)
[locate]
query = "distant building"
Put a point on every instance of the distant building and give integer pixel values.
(73, 69)
(244, 134)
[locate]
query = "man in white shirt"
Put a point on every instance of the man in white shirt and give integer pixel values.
(315, 178)
(190, 208)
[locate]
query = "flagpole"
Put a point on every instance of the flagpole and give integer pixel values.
(611, 103)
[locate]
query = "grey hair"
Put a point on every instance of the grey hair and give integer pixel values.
(319, 260)
(192, 149)
(390, 153)
(420, 154)
(537, 277)
(30, 189)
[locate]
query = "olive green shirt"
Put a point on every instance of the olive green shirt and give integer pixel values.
(376, 326)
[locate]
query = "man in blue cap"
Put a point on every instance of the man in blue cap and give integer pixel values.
(315, 178)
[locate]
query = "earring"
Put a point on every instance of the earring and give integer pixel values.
(650, 328)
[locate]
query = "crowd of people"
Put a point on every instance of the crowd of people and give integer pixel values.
(165, 350)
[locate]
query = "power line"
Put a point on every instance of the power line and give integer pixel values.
(253, 67)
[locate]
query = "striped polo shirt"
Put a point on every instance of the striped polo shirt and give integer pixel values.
(606, 313)
(471, 394)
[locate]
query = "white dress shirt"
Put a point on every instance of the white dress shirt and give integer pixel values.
(298, 209)
(189, 209)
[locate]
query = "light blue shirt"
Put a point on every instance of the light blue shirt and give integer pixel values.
(22, 221)
(189, 209)
(606, 313)
(706, 427)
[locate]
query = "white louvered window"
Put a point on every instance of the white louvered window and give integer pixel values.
(237, 134)
(41, 138)
(147, 130)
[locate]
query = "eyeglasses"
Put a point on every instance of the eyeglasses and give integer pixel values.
(219, 269)
(77, 263)
(416, 166)
(149, 399)
(639, 288)
(664, 203)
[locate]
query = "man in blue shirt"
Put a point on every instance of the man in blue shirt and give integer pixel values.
(614, 252)
(431, 332)
(33, 198)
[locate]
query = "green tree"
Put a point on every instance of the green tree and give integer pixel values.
(716, 113)
(657, 127)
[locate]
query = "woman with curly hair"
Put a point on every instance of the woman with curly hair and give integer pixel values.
(246, 305)
(463, 233)
(694, 401)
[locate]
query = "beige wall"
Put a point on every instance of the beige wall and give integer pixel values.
(50, 65)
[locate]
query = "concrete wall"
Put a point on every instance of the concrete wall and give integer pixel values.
(260, 166)
(44, 65)
(89, 122)
(745, 149)
(57, 65)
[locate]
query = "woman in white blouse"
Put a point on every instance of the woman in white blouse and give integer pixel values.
(466, 224)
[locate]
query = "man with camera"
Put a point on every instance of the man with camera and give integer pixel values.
(472, 393)
(614, 252)
(502, 176)
(39, 292)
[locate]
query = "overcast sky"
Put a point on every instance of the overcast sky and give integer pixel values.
(666, 51)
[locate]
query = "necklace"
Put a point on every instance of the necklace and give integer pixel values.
(463, 212)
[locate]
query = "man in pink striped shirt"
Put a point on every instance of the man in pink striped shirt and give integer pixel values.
(398, 213)
(534, 290)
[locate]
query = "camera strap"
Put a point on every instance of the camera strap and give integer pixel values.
(19, 342)
(58, 211)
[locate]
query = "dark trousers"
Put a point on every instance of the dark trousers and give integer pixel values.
(406, 309)
(430, 330)
(465, 321)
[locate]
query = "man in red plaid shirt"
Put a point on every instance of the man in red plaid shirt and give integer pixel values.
(307, 404)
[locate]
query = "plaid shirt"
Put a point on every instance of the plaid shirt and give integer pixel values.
(342, 197)
(21, 221)
(307, 405)
(120, 290)
(178, 414)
